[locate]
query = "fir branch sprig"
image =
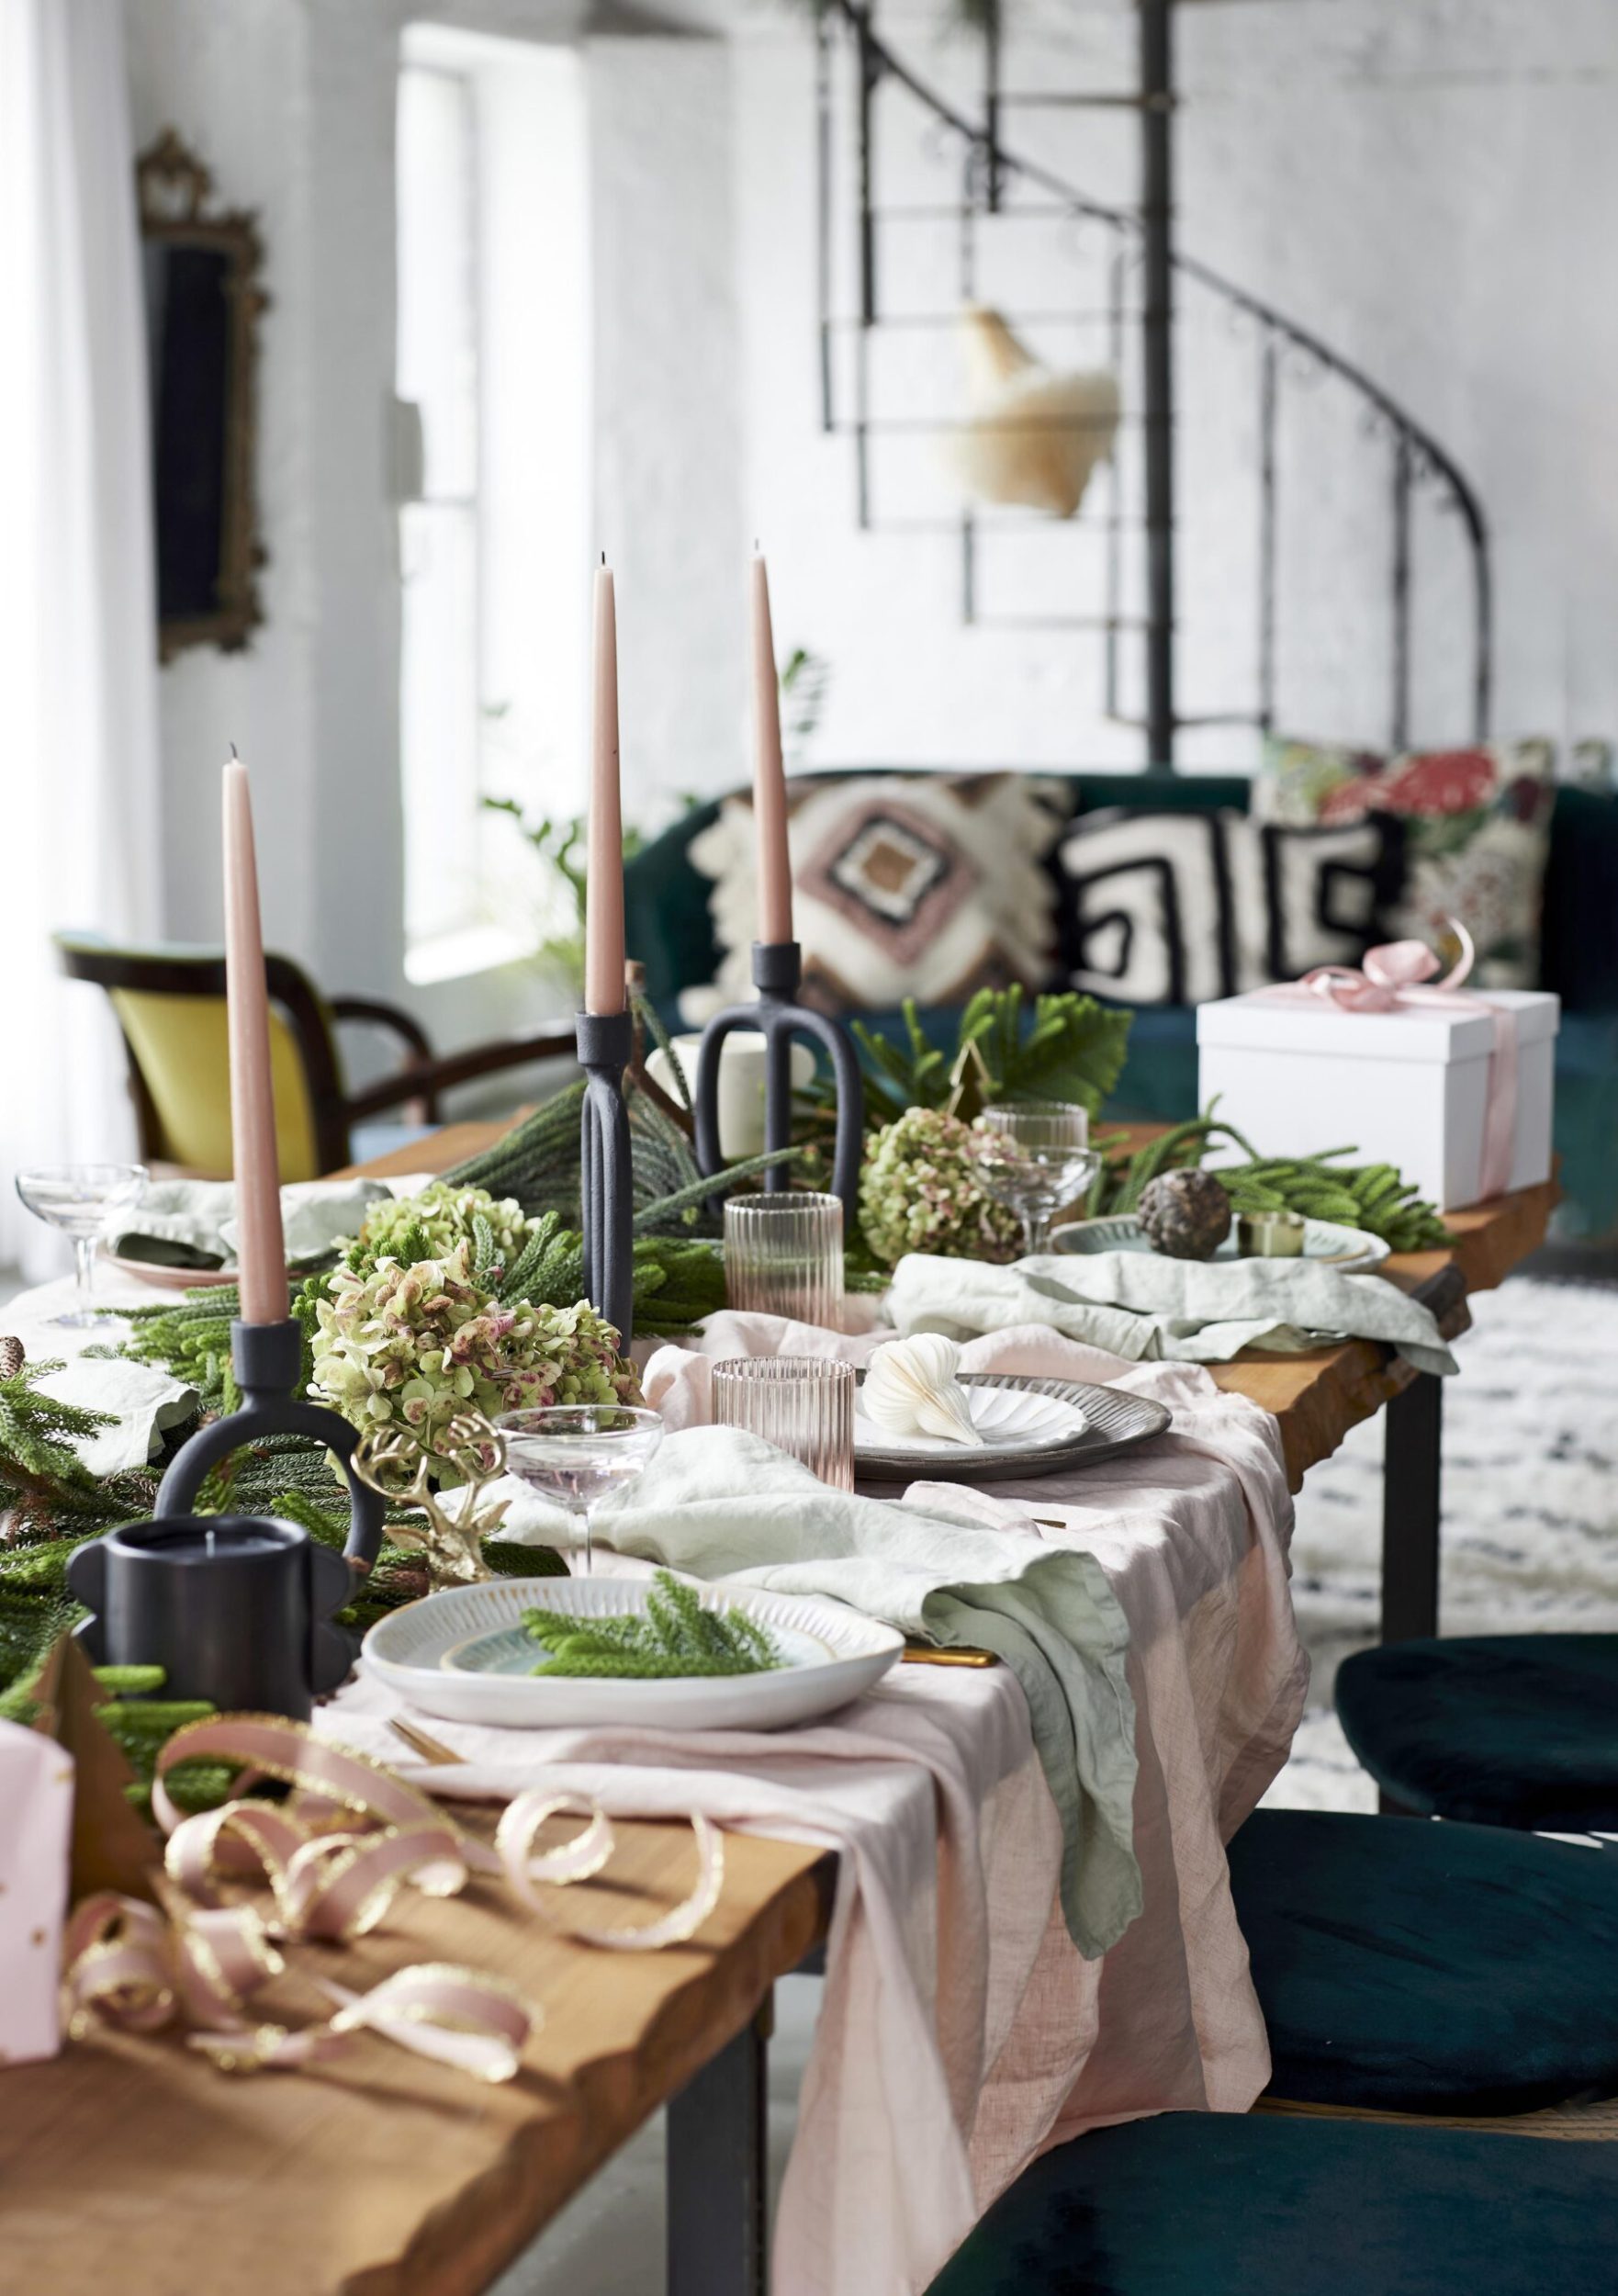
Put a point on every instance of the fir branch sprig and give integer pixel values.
(676, 1635)
(44, 1484)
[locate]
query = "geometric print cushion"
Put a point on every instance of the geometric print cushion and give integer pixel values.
(1175, 909)
(1153, 913)
(903, 885)
(1477, 835)
(1308, 897)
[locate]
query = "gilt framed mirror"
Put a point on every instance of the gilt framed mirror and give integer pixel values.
(204, 301)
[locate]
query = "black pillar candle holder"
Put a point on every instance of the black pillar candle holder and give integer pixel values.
(234, 1609)
(267, 1358)
(778, 967)
(606, 1047)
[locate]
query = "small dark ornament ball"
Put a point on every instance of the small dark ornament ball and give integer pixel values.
(1185, 1215)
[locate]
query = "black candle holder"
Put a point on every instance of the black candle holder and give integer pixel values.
(235, 1609)
(778, 967)
(606, 1047)
(267, 1358)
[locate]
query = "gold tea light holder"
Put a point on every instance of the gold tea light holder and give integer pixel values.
(1270, 1236)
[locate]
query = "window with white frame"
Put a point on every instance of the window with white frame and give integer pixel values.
(492, 375)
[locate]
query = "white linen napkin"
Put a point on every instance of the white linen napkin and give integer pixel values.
(718, 1503)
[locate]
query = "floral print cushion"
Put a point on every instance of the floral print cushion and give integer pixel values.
(1477, 835)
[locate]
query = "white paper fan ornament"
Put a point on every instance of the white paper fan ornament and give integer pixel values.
(911, 1389)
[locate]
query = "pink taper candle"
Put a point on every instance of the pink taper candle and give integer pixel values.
(604, 908)
(253, 1105)
(770, 786)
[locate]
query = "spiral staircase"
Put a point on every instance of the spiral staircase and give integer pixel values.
(923, 197)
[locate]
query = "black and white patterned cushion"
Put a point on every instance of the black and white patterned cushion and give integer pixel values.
(1310, 897)
(1152, 906)
(1175, 908)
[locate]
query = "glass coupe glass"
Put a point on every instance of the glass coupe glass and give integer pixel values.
(803, 1405)
(783, 1256)
(576, 1453)
(81, 1199)
(1036, 1158)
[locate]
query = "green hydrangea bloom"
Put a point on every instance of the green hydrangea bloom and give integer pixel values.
(921, 1190)
(411, 1346)
(444, 1215)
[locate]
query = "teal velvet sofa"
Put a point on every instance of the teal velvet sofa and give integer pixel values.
(672, 933)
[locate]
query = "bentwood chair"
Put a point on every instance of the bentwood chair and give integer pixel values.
(170, 1004)
(1517, 1731)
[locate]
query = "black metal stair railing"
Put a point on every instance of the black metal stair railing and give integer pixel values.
(1141, 242)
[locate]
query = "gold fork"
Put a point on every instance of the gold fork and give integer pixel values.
(430, 1749)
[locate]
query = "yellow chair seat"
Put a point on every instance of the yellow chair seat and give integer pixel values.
(182, 1047)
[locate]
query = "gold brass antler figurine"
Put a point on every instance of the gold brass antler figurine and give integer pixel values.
(395, 1463)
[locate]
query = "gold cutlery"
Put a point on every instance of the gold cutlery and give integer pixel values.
(430, 1749)
(931, 1654)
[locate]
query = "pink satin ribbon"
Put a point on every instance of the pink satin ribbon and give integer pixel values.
(1396, 977)
(332, 1857)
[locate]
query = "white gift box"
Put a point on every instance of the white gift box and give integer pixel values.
(1408, 1088)
(36, 1835)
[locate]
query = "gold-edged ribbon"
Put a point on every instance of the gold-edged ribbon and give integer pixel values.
(333, 1855)
(586, 1855)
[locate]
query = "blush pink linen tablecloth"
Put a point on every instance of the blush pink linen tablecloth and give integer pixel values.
(961, 2032)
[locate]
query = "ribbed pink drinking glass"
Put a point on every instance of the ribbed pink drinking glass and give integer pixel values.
(783, 1256)
(803, 1405)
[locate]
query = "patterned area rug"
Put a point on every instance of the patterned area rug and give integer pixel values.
(1530, 1508)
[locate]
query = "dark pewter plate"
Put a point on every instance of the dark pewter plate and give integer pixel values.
(1113, 1422)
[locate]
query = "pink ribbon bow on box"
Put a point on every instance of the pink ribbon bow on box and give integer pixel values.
(1397, 976)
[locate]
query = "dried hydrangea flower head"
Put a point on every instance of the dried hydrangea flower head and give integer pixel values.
(443, 1214)
(922, 1190)
(416, 1346)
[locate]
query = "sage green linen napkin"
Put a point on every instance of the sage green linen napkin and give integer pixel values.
(199, 1216)
(1148, 1309)
(717, 1504)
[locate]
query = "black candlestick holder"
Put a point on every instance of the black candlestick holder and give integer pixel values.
(606, 1047)
(236, 1609)
(267, 1358)
(778, 967)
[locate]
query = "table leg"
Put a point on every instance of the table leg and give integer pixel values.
(718, 2129)
(1413, 1469)
(1412, 1474)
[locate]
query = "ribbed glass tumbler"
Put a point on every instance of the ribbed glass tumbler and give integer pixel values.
(803, 1405)
(783, 1256)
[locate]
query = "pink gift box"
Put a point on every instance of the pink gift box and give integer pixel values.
(36, 1832)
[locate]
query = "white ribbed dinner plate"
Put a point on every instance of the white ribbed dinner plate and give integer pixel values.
(831, 1654)
(1029, 1427)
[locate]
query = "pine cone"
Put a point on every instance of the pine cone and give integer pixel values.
(12, 1356)
(1185, 1215)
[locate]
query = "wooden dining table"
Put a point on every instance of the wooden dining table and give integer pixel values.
(129, 2164)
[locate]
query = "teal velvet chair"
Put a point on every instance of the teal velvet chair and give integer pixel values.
(672, 934)
(1517, 1731)
(1402, 1970)
(1429, 1969)
(1229, 2204)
